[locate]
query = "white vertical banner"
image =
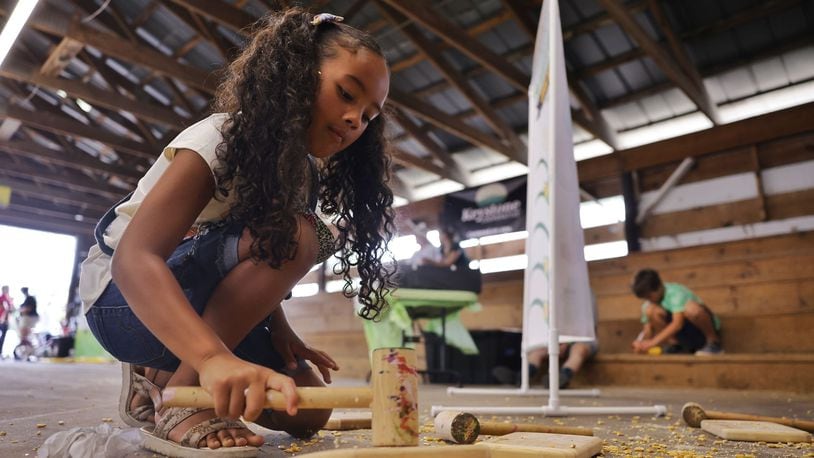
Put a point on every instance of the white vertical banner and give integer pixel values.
(556, 292)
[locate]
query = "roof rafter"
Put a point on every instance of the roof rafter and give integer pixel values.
(446, 122)
(19, 70)
(797, 42)
(54, 22)
(457, 80)
(220, 12)
(421, 11)
(404, 158)
(455, 172)
(761, 9)
(665, 62)
(64, 125)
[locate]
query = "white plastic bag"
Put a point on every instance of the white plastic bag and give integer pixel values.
(95, 441)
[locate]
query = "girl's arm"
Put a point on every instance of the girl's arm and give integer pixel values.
(139, 263)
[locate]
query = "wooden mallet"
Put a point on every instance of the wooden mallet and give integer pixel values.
(693, 414)
(393, 397)
(464, 428)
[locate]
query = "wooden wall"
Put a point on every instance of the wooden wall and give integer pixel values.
(763, 289)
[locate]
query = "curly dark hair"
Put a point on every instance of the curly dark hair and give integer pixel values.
(268, 92)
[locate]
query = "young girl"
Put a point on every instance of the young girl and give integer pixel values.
(187, 277)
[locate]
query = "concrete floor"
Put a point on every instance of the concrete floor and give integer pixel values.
(86, 395)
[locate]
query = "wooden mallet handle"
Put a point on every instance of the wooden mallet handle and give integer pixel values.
(693, 414)
(310, 398)
(494, 428)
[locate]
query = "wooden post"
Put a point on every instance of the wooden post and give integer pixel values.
(631, 211)
(395, 397)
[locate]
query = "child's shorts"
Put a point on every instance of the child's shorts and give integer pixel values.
(690, 336)
(199, 264)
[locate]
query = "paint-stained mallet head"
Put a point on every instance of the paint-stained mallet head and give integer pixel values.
(458, 427)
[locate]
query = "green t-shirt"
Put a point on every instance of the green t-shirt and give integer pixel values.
(675, 299)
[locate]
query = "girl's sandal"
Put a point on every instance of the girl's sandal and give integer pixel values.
(155, 437)
(132, 384)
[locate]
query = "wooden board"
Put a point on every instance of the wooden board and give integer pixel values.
(511, 445)
(754, 431)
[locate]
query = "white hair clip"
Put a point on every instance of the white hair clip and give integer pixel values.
(322, 18)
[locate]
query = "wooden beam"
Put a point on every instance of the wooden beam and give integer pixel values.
(790, 121)
(423, 13)
(52, 21)
(19, 70)
(67, 126)
(457, 80)
(28, 221)
(598, 20)
(677, 48)
(60, 57)
(444, 121)
(604, 234)
(115, 19)
(761, 194)
(800, 41)
(353, 10)
(404, 158)
(55, 213)
(399, 187)
(590, 24)
(60, 195)
(25, 148)
(741, 133)
(709, 217)
(522, 16)
(455, 172)
(760, 10)
(629, 24)
(778, 206)
(62, 178)
(220, 12)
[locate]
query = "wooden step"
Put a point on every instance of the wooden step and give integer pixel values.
(758, 371)
(778, 333)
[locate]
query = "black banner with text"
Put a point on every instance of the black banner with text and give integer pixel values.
(495, 208)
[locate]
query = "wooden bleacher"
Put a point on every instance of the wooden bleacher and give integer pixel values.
(763, 289)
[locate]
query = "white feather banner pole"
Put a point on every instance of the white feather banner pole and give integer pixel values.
(556, 298)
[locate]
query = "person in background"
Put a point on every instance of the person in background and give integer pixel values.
(674, 318)
(573, 356)
(6, 309)
(426, 252)
(451, 254)
(28, 315)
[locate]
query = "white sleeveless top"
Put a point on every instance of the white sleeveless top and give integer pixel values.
(203, 138)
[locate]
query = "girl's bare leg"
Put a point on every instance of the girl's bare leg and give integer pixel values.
(247, 295)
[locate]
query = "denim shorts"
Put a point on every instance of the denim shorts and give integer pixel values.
(198, 264)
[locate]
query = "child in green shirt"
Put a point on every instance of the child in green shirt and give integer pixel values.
(674, 317)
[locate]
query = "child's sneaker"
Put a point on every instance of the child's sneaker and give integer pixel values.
(711, 348)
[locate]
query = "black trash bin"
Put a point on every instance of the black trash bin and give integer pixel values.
(496, 348)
